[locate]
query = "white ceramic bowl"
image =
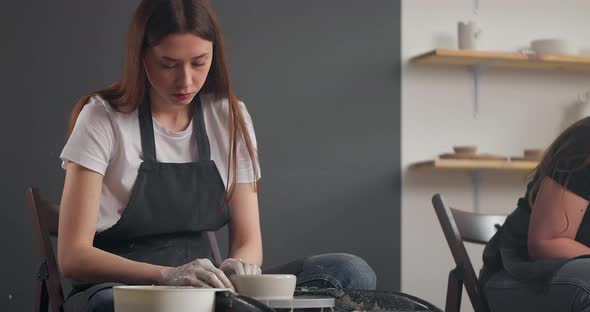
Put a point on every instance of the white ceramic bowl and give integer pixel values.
(265, 286)
(164, 299)
(552, 47)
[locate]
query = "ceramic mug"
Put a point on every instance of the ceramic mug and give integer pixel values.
(468, 34)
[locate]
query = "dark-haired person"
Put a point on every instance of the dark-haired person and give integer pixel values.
(161, 156)
(538, 260)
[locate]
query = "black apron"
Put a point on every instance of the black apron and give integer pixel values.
(171, 207)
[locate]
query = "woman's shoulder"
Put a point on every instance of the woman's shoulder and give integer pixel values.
(98, 114)
(216, 112)
(96, 107)
(219, 104)
(100, 110)
(217, 108)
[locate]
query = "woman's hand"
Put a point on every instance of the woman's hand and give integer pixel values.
(198, 273)
(231, 266)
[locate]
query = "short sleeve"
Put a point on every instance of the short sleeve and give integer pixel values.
(92, 141)
(577, 182)
(245, 172)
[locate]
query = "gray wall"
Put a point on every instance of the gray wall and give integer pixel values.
(321, 80)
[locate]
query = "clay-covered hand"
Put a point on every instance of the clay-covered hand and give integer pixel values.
(231, 266)
(198, 273)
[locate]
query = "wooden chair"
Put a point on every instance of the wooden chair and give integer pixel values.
(461, 226)
(49, 291)
(45, 222)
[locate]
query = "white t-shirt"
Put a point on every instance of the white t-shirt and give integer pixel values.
(109, 142)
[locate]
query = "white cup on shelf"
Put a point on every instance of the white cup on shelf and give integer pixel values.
(468, 35)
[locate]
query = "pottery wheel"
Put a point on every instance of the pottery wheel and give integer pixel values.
(300, 302)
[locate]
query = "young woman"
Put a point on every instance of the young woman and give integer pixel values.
(160, 157)
(537, 261)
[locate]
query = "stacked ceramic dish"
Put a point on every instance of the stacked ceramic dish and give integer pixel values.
(469, 152)
(529, 155)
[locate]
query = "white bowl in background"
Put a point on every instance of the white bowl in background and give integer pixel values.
(164, 299)
(552, 47)
(265, 286)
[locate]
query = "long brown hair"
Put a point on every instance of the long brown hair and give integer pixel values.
(567, 155)
(152, 22)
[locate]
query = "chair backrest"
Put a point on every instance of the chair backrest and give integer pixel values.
(45, 223)
(459, 226)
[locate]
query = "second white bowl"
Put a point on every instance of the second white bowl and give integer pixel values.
(265, 286)
(552, 47)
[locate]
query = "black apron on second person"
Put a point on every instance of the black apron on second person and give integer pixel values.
(171, 207)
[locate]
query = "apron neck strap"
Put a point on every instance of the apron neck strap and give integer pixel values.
(146, 130)
(200, 130)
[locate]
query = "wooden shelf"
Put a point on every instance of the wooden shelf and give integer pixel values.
(504, 60)
(474, 165)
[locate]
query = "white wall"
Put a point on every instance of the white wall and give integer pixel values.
(519, 109)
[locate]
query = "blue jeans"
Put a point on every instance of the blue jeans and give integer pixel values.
(568, 290)
(324, 271)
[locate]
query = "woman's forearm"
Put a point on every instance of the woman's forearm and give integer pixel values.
(557, 248)
(248, 252)
(95, 265)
